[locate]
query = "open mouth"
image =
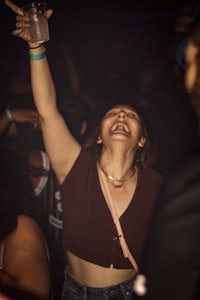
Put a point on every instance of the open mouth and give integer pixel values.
(120, 127)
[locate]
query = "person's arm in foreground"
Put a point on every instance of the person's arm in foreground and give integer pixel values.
(61, 146)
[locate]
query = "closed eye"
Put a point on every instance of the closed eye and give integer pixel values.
(111, 114)
(131, 115)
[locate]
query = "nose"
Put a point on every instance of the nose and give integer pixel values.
(121, 115)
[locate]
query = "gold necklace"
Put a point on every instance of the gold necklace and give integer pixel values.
(113, 180)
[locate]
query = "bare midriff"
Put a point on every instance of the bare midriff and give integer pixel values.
(92, 275)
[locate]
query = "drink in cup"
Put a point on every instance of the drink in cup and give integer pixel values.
(39, 30)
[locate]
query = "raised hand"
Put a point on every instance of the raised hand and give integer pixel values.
(23, 22)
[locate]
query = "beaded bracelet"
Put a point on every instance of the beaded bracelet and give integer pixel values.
(9, 115)
(37, 56)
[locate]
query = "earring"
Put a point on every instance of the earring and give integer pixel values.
(99, 140)
(142, 142)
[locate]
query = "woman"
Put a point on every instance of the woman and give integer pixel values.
(96, 266)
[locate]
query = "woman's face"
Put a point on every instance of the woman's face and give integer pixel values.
(121, 123)
(191, 70)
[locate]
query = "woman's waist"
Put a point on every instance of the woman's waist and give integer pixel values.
(93, 275)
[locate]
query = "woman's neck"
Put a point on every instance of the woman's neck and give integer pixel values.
(116, 165)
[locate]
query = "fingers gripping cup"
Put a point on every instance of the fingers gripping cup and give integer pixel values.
(39, 30)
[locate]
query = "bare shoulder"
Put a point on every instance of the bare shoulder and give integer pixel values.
(26, 258)
(28, 237)
(28, 227)
(24, 220)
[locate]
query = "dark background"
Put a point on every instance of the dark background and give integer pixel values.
(88, 27)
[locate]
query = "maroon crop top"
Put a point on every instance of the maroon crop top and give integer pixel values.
(88, 229)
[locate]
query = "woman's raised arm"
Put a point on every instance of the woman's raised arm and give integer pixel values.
(60, 145)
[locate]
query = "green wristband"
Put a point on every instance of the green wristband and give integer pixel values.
(37, 56)
(9, 115)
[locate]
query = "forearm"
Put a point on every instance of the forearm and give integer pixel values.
(43, 87)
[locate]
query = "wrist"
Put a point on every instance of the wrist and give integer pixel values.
(37, 55)
(37, 49)
(33, 45)
(9, 115)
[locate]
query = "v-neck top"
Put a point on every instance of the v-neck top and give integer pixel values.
(88, 229)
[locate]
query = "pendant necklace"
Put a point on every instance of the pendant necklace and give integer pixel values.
(117, 183)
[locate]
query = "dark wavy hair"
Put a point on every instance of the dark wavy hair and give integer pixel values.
(142, 155)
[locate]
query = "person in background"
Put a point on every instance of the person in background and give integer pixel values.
(16, 115)
(17, 110)
(96, 265)
(20, 132)
(171, 259)
(24, 255)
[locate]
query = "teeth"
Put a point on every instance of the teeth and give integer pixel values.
(120, 126)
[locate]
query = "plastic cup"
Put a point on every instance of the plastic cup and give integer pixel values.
(39, 29)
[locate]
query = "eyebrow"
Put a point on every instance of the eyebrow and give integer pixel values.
(122, 109)
(125, 110)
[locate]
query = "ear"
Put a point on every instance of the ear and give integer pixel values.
(141, 142)
(99, 140)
